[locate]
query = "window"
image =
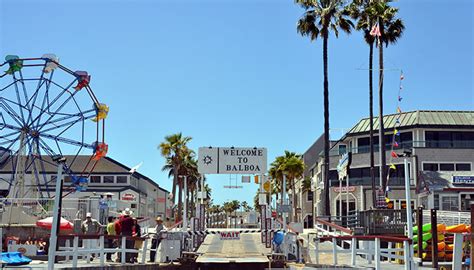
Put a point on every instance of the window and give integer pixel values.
(309, 196)
(312, 173)
(463, 167)
(109, 179)
(450, 203)
(430, 167)
(446, 167)
(442, 139)
(67, 179)
(133, 205)
(121, 179)
(342, 149)
(95, 179)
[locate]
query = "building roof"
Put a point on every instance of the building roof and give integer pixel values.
(106, 165)
(420, 118)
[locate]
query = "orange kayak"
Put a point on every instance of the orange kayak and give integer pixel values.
(450, 247)
(441, 246)
(460, 228)
(449, 257)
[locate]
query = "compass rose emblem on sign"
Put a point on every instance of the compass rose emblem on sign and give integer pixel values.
(207, 160)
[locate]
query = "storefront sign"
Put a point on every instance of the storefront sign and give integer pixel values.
(160, 200)
(232, 160)
(463, 179)
(129, 197)
(344, 189)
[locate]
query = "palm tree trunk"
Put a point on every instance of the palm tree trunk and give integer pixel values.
(383, 162)
(295, 205)
(326, 202)
(371, 121)
(180, 201)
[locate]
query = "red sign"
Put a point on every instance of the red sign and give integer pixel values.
(128, 197)
(161, 200)
(274, 214)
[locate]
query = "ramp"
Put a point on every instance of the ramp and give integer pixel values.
(246, 250)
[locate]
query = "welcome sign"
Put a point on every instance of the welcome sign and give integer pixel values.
(232, 160)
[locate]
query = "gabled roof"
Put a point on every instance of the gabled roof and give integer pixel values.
(458, 119)
(105, 165)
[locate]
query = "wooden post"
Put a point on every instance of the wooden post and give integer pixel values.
(420, 233)
(457, 253)
(377, 253)
(124, 247)
(434, 239)
(68, 245)
(406, 255)
(75, 248)
(101, 251)
(353, 251)
(472, 235)
(145, 244)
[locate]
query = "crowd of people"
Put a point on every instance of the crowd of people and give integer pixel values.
(124, 225)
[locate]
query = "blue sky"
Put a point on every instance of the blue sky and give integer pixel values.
(236, 73)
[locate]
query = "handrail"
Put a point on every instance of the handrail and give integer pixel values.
(97, 236)
(393, 239)
(335, 226)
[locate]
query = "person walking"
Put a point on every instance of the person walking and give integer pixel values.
(124, 227)
(91, 226)
(156, 240)
(137, 232)
(110, 231)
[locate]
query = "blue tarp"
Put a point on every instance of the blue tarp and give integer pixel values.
(14, 258)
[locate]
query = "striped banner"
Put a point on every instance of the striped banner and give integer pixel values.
(206, 232)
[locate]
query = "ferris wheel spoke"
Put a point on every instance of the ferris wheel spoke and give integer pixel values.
(25, 93)
(66, 140)
(45, 97)
(18, 97)
(58, 109)
(11, 112)
(34, 97)
(72, 122)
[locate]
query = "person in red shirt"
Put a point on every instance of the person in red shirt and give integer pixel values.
(124, 227)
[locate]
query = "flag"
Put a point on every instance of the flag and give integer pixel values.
(256, 179)
(395, 155)
(375, 31)
(400, 98)
(401, 87)
(396, 132)
(393, 167)
(387, 200)
(402, 77)
(398, 110)
(395, 144)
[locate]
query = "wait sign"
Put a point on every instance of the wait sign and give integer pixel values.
(230, 235)
(232, 160)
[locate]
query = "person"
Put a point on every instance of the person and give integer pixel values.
(137, 243)
(91, 227)
(110, 231)
(156, 240)
(124, 227)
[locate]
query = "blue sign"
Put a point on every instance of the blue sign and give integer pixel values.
(463, 179)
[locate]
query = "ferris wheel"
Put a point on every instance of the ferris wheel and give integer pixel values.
(47, 111)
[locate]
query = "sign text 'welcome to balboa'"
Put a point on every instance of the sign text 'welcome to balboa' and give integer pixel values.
(232, 160)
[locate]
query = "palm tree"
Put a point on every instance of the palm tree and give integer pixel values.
(174, 149)
(321, 17)
(293, 167)
(360, 11)
(391, 30)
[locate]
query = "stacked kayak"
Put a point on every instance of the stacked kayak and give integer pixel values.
(14, 259)
(445, 245)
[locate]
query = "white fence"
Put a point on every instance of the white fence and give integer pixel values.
(448, 217)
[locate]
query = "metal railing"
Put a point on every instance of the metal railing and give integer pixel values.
(449, 217)
(405, 145)
(380, 221)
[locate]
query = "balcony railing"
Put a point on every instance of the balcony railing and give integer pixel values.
(406, 145)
